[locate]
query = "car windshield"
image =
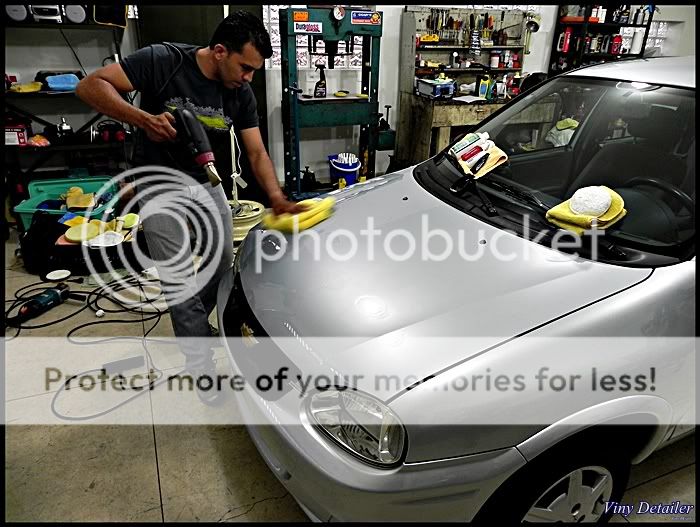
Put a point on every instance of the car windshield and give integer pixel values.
(574, 132)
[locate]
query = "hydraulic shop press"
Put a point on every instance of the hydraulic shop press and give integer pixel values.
(331, 25)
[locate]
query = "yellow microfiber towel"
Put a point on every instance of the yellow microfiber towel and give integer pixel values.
(76, 199)
(562, 216)
(26, 88)
(567, 123)
(318, 211)
(496, 157)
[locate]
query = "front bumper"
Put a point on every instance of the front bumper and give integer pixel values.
(329, 488)
(331, 485)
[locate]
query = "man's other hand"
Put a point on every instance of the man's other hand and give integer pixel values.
(159, 128)
(281, 204)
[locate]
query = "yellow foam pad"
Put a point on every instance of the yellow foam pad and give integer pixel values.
(130, 220)
(83, 232)
(78, 220)
(318, 211)
(104, 226)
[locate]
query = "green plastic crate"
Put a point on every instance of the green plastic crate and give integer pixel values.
(53, 188)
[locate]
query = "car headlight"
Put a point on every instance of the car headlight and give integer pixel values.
(359, 423)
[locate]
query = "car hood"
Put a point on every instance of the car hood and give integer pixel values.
(514, 286)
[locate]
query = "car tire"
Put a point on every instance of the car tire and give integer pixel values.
(568, 483)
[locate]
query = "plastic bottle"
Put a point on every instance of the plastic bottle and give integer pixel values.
(320, 88)
(616, 45)
(567, 39)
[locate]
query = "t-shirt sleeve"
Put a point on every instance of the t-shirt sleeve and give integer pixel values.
(246, 115)
(146, 68)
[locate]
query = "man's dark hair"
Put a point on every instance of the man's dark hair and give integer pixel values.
(239, 28)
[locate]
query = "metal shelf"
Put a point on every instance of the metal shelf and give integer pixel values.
(39, 94)
(599, 24)
(36, 25)
(73, 147)
(611, 55)
(439, 48)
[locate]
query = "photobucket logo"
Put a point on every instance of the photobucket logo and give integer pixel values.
(417, 242)
(180, 221)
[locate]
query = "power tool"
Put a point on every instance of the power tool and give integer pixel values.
(41, 303)
(192, 133)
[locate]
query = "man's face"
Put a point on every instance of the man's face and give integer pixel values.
(236, 69)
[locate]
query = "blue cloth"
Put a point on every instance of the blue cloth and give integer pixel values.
(65, 82)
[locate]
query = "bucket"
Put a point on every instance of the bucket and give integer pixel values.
(345, 171)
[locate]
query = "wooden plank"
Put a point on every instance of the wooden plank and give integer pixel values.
(443, 138)
(460, 114)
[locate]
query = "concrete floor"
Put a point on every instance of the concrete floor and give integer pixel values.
(188, 473)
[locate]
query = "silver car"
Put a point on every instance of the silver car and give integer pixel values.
(520, 374)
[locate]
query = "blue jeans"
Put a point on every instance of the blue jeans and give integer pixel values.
(174, 220)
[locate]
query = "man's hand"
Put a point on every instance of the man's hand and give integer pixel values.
(280, 205)
(159, 128)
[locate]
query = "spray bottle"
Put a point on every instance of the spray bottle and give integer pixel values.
(320, 88)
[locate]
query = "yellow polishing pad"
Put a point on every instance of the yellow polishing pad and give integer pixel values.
(79, 233)
(318, 211)
(362, 96)
(341, 93)
(130, 220)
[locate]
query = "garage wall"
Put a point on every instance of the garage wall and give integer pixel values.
(317, 144)
(681, 39)
(30, 50)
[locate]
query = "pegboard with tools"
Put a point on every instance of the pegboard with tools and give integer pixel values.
(460, 26)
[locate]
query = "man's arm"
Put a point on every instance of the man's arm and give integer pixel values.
(101, 90)
(264, 172)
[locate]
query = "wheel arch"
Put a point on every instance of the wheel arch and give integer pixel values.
(643, 420)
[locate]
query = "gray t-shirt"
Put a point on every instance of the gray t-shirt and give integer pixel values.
(168, 77)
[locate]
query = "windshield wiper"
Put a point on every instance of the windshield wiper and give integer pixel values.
(521, 195)
(612, 248)
(469, 183)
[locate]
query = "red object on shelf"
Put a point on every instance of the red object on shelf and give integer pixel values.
(616, 45)
(577, 19)
(567, 39)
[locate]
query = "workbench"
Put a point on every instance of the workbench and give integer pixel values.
(425, 125)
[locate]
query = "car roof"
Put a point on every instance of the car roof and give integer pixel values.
(668, 71)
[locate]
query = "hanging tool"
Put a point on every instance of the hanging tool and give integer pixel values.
(497, 35)
(192, 133)
(485, 33)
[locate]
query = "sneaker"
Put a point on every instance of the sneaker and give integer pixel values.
(208, 394)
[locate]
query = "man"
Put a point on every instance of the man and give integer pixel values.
(212, 82)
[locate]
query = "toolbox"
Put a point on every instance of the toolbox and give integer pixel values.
(52, 189)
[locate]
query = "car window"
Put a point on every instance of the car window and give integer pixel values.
(547, 118)
(634, 138)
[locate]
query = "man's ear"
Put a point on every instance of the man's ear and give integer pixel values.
(220, 51)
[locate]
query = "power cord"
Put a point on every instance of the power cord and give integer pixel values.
(152, 384)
